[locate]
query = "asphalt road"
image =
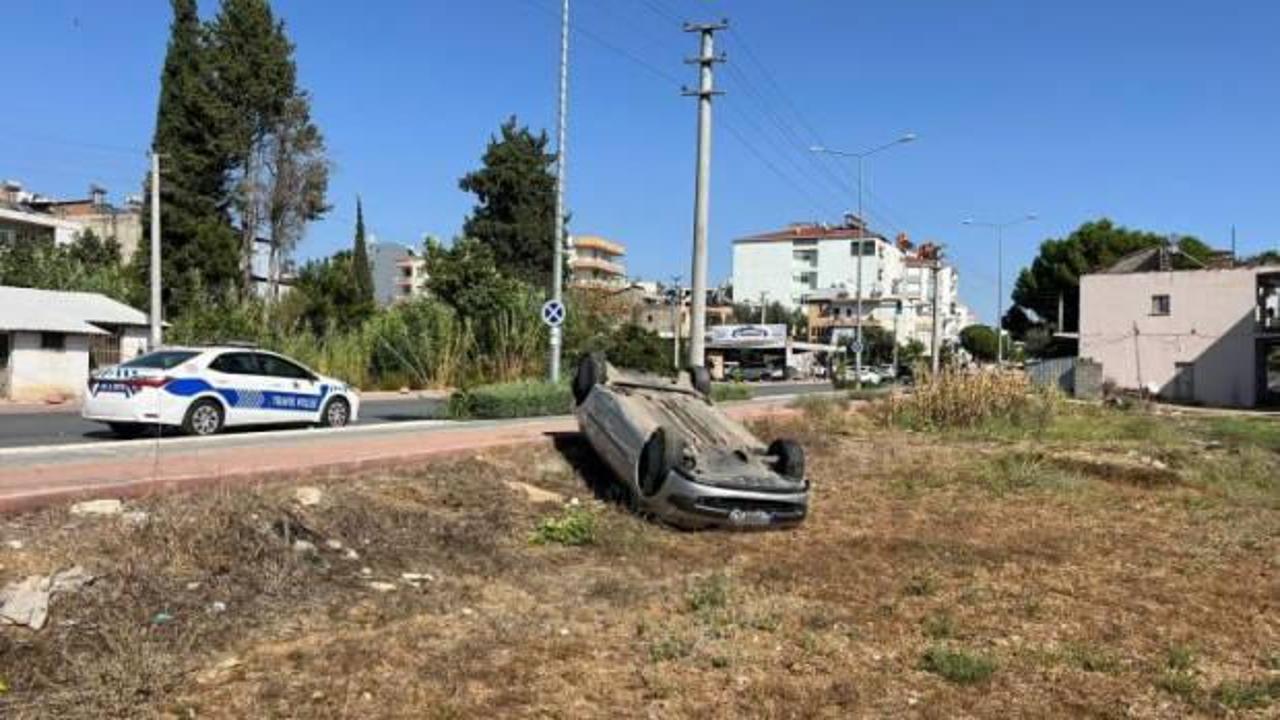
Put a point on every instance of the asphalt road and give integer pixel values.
(67, 428)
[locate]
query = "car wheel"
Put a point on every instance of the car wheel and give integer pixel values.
(337, 413)
(701, 379)
(126, 430)
(592, 371)
(788, 458)
(204, 417)
(657, 459)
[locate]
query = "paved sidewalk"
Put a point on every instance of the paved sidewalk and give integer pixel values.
(33, 477)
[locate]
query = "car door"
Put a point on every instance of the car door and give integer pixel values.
(237, 377)
(294, 395)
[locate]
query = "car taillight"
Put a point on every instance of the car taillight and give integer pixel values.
(148, 382)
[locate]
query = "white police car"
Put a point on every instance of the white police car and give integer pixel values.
(204, 389)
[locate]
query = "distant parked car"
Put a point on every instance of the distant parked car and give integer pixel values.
(681, 459)
(204, 389)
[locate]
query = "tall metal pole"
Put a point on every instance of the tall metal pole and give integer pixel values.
(557, 270)
(677, 305)
(862, 231)
(999, 296)
(702, 187)
(936, 339)
(156, 329)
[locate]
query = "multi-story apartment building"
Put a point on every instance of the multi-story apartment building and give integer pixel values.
(815, 267)
(596, 262)
(399, 272)
(30, 215)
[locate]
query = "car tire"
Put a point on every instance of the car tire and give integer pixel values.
(203, 418)
(789, 458)
(126, 430)
(701, 379)
(592, 371)
(658, 457)
(336, 413)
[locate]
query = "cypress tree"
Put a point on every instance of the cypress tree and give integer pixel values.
(361, 270)
(200, 251)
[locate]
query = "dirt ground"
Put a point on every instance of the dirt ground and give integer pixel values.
(1111, 566)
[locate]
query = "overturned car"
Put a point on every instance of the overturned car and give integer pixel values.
(679, 458)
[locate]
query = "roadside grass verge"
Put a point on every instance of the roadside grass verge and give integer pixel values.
(510, 400)
(731, 391)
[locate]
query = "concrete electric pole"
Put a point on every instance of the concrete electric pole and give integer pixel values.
(698, 278)
(677, 304)
(936, 339)
(157, 335)
(557, 269)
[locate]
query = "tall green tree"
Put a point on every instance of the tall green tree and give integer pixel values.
(297, 173)
(515, 208)
(1090, 248)
(200, 250)
(361, 268)
(255, 77)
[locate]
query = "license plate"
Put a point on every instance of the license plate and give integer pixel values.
(750, 518)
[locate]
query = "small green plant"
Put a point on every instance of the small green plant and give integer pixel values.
(1249, 694)
(670, 647)
(1179, 683)
(573, 526)
(921, 585)
(957, 666)
(1180, 658)
(709, 593)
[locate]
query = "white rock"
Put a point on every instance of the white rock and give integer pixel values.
(350, 555)
(193, 586)
(136, 518)
(468, 611)
(217, 606)
(308, 496)
(14, 544)
(366, 571)
(97, 507)
(333, 544)
(27, 602)
(417, 577)
(382, 587)
(303, 546)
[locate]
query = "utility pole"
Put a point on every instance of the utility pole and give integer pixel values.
(762, 306)
(157, 335)
(936, 339)
(702, 187)
(677, 304)
(557, 270)
(1062, 312)
(897, 318)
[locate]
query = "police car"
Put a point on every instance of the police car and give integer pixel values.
(204, 389)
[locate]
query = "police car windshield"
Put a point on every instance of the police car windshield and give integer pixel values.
(162, 360)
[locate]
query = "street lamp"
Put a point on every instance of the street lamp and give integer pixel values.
(999, 227)
(862, 229)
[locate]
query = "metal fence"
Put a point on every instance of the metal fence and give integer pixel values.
(1059, 372)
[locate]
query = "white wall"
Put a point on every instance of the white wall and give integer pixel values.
(133, 342)
(36, 374)
(762, 267)
(1211, 323)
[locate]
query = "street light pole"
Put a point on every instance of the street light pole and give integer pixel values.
(860, 240)
(557, 269)
(999, 227)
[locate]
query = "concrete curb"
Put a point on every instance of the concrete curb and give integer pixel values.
(140, 468)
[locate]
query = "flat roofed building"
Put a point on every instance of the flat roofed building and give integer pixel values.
(596, 262)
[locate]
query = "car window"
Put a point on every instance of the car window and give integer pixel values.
(276, 366)
(161, 360)
(236, 363)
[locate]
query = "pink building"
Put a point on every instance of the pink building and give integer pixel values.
(1209, 336)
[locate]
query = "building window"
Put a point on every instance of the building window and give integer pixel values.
(1159, 304)
(868, 247)
(53, 341)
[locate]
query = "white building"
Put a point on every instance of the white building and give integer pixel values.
(815, 267)
(50, 340)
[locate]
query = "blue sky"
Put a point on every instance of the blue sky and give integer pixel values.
(1161, 114)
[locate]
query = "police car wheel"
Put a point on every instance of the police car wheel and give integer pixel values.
(203, 418)
(336, 414)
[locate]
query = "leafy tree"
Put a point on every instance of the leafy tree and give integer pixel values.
(297, 174)
(632, 346)
(877, 345)
(329, 295)
(980, 342)
(92, 251)
(199, 246)
(911, 351)
(1266, 257)
(515, 209)
(87, 265)
(361, 270)
(256, 81)
(466, 276)
(1093, 246)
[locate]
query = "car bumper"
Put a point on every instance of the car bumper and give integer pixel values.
(685, 503)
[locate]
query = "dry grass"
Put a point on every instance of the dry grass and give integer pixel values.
(938, 576)
(955, 399)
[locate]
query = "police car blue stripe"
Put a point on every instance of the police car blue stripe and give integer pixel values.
(249, 399)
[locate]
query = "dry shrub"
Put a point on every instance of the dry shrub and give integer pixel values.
(959, 400)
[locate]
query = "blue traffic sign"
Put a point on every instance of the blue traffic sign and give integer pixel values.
(553, 313)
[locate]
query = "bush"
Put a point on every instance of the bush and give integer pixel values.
(957, 400)
(576, 525)
(730, 391)
(511, 400)
(957, 666)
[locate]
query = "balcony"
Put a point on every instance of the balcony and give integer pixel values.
(595, 242)
(591, 263)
